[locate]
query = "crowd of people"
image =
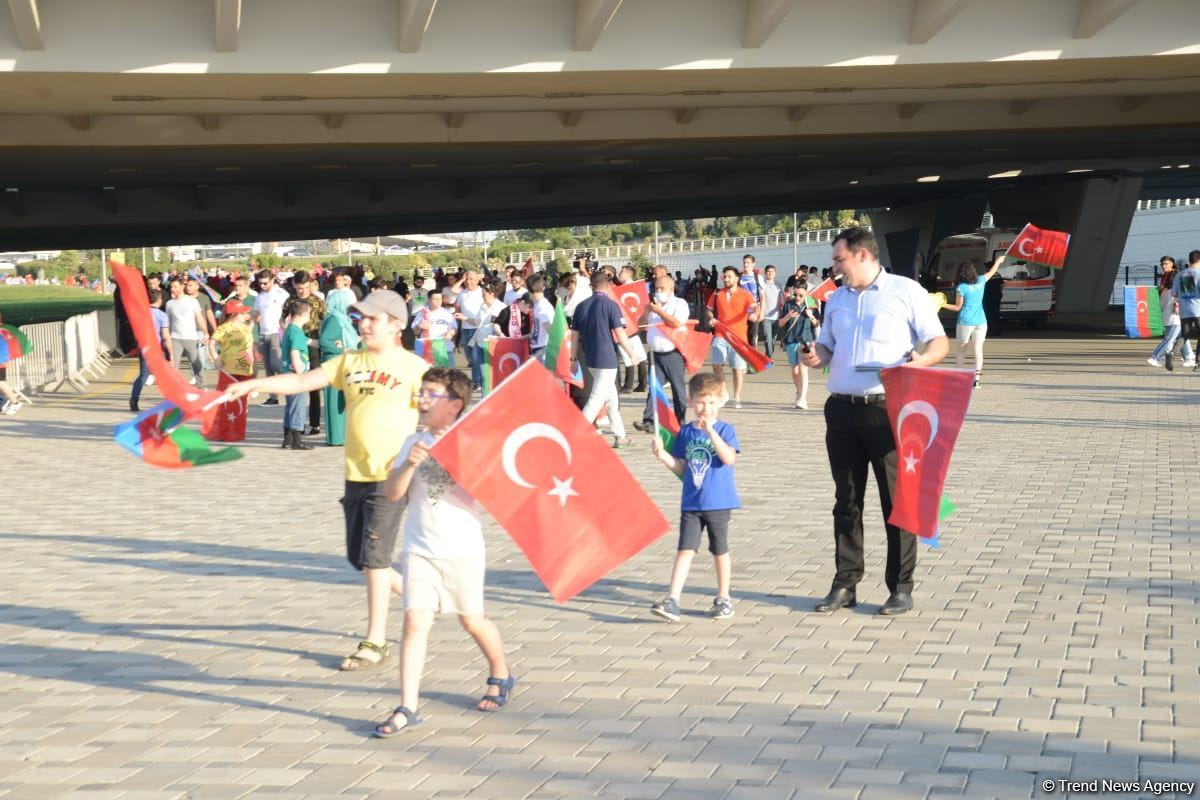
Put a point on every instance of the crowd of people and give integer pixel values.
(350, 344)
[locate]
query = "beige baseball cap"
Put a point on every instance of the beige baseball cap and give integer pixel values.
(383, 301)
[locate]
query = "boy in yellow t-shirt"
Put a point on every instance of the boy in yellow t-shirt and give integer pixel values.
(231, 348)
(381, 383)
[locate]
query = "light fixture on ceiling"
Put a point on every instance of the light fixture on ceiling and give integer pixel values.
(929, 179)
(854, 183)
(1012, 173)
(1182, 166)
(1165, 166)
(1077, 171)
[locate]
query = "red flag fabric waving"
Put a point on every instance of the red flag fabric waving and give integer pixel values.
(528, 456)
(1037, 246)
(633, 298)
(822, 291)
(926, 407)
(193, 403)
(527, 269)
(755, 358)
(692, 344)
(505, 356)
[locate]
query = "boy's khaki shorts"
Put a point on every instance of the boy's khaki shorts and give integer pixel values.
(448, 585)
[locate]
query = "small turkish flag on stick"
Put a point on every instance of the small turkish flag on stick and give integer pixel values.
(527, 455)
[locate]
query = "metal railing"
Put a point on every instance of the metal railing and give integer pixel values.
(622, 253)
(1150, 205)
(1132, 275)
(61, 353)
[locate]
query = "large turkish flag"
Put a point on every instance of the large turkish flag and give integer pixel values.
(528, 456)
(192, 402)
(926, 407)
(634, 299)
(1037, 246)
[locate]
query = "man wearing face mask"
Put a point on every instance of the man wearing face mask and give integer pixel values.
(671, 311)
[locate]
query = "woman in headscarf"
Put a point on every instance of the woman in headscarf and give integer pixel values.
(337, 335)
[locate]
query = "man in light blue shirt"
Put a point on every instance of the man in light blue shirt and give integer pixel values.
(1186, 290)
(874, 320)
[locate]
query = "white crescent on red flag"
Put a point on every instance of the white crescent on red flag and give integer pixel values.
(634, 299)
(926, 407)
(527, 455)
(193, 403)
(1037, 246)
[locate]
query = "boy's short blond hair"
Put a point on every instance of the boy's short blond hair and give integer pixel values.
(705, 383)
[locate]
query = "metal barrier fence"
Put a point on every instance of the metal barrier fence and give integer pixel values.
(63, 353)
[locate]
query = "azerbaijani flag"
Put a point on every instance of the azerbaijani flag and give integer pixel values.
(13, 343)
(557, 355)
(436, 352)
(159, 438)
(1143, 312)
(666, 424)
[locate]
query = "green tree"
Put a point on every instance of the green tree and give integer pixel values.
(845, 218)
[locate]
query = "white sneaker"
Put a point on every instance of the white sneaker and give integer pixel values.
(737, 403)
(1190, 362)
(12, 408)
(801, 404)
(1154, 362)
(150, 381)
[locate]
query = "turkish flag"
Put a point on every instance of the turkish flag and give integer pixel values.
(505, 356)
(633, 298)
(755, 359)
(527, 269)
(1036, 246)
(193, 403)
(926, 407)
(821, 292)
(528, 456)
(693, 345)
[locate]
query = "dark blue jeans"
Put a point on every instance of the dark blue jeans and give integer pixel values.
(140, 381)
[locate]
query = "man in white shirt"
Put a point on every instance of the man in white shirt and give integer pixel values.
(470, 314)
(435, 321)
(185, 318)
(541, 315)
(670, 311)
(874, 320)
(770, 291)
(515, 289)
(268, 310)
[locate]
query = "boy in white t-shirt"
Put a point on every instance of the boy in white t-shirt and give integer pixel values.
(542, 313)
(443, 552)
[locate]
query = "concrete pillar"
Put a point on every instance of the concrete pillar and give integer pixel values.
(1096, 212)
(905, 232)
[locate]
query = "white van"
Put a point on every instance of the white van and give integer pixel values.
(1029, 293)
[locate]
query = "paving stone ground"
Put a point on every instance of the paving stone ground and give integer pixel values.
(175, 635)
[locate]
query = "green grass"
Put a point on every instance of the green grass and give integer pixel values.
(25, 305)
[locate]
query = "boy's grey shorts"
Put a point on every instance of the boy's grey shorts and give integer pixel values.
(372, 525)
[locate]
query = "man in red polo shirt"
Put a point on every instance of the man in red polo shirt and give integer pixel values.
(733, 306)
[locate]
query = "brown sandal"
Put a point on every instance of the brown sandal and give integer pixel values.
(357, 661)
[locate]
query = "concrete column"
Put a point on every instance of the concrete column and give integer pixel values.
(905, 232)
(1096, 212)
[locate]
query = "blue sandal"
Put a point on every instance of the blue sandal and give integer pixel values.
(506, 687)
(385, 731)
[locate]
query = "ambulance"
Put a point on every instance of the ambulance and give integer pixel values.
(1029, 293)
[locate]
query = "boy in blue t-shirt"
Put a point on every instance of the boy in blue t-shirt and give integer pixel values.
(703, 455)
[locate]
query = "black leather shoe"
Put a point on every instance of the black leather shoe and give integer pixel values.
(837, 598)
(898, 603)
